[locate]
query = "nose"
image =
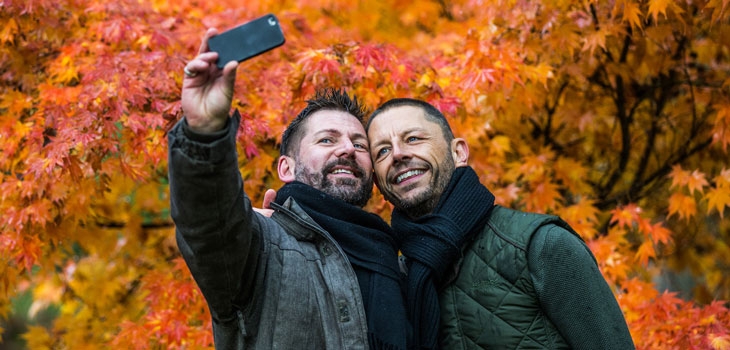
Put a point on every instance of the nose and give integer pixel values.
(346, 149)
(400, 153)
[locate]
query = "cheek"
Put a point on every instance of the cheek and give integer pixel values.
(380, 172)
(364, 159)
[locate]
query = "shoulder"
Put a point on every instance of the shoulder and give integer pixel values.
(518, 227)
(560, 246)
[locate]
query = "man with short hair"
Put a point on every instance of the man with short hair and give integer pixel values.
(497, 278)
(320, 273)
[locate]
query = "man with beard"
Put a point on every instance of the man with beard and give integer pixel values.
(497, 278)
(319, 273)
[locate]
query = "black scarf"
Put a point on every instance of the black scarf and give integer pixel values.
(369, 244)
(433, 243)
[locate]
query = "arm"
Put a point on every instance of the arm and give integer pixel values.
(216, 229)
(218, 233)
(573, 293)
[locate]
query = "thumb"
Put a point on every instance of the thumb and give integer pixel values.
(269, 197)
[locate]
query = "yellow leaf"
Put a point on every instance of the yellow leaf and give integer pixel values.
(594, 40)
(499, 145)
(37, 337)
(657, 7)
(718, 199)
(721, 126)
(582, 217)
(572, 174)
(632, 14)
(721, 342)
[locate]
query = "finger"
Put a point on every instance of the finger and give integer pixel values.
(208, 34)
(229, 72)
(200, 64)
(269, 197)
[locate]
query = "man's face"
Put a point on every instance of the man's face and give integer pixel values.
(412, 160)
(333, 157)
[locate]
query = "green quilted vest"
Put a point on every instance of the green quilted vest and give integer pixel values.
(492, 302)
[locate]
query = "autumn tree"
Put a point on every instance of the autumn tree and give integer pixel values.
(614, 115)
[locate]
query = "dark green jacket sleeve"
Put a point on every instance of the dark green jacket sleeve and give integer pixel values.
(573, 293)
(217, 232)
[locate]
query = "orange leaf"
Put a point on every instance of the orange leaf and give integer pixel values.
(659, 233)
(645, 251)
(682, 205)
(543, 197)
(696, 182)
(625, 216)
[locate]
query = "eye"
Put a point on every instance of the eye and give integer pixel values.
(326, 140)
(381, 152)
(360, 146)
(412, 139)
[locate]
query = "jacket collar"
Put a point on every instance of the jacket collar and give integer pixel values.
(297, 222)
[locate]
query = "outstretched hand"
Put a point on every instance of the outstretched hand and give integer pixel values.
(207, 91)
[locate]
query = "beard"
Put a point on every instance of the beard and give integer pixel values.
(355, 191)
(425, 201)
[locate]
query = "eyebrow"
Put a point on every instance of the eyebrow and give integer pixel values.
(404, 132)
(357, 135)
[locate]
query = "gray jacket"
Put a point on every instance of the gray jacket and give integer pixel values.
(270, 283)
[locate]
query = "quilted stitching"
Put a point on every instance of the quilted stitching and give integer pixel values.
(483, 300)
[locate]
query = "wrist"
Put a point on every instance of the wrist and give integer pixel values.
(207, 133)
(209, 126)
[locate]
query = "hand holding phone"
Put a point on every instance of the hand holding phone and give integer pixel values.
(247, 40)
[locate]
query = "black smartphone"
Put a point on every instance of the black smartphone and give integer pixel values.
(247, 40)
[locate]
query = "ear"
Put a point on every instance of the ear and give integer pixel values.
(286, 167)
(460, 152)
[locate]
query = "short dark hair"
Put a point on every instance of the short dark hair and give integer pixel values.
(324, 99)
(432, 114)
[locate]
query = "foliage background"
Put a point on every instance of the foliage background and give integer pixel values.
(613, 114)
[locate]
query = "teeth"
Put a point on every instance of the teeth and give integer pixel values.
(342, 171)
(408, 174)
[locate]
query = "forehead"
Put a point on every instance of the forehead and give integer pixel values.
(340, 121)
(400, 119)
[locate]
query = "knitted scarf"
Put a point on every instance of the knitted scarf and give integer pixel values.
(368, 242)
(433, 243)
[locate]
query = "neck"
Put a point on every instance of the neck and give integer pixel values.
(423, 208)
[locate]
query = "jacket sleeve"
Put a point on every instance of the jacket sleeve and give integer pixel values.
(573, 293)
(218, 233)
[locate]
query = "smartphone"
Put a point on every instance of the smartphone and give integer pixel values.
(247, 40)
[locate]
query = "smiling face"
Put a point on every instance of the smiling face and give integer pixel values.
(413, 162)
(332, 157)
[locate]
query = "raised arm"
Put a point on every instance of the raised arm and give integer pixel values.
(218, 233)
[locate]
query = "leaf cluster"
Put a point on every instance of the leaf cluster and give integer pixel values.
(613, 115)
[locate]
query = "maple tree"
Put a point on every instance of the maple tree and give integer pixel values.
(614, 115)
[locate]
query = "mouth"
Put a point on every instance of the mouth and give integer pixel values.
(344, 171)
(407, 175)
